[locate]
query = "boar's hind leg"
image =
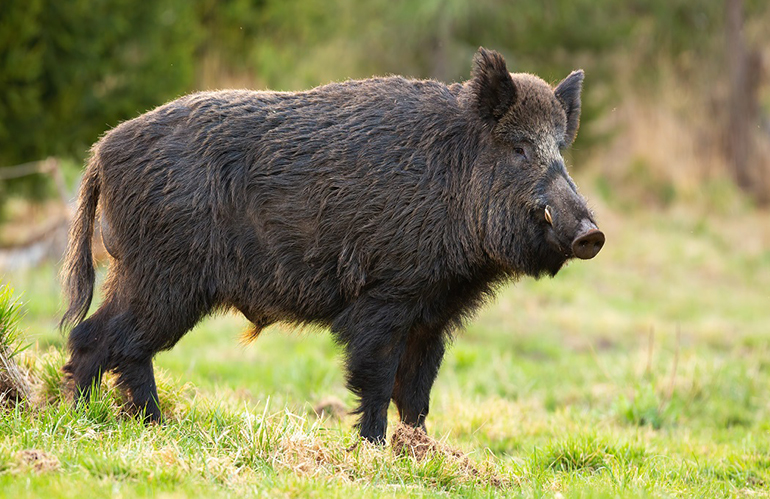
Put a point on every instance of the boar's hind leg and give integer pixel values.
(416, 373)
(138, 378)
(137, 337)
(375, 342)
(89, 353)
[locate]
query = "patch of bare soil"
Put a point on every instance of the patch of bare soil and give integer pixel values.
(37, 460)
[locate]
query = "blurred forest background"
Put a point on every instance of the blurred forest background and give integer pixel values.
(676, 104)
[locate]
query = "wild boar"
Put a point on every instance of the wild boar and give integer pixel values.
(386, 210)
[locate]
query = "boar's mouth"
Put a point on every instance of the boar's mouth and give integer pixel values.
(554, 262)
(556, 251)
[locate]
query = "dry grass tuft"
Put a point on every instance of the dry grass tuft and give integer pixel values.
(659, 154)
(307, 456)
(15, 385)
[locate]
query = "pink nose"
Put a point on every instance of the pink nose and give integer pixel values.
(588, 244)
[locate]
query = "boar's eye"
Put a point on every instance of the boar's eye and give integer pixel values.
(520, 151)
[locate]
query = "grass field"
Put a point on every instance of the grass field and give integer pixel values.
(642, 373)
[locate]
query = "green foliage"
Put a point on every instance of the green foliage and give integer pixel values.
(10, 315)
(587, 453)
(645, 407)
(68, 71)
(14, 385)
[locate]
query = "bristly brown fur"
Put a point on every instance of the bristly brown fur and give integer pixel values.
(78, 270)
(387, 210)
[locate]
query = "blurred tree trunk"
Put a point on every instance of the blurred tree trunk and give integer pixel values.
(440, 51)
(743, 66)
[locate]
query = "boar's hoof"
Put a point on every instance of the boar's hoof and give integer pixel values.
(588, 244)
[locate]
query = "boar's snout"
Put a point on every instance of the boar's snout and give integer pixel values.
(588, 242)
(571, 224)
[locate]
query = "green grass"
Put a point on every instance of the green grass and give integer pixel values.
(642, 373)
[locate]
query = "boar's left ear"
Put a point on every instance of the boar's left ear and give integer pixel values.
(568, 93)
(494, 89)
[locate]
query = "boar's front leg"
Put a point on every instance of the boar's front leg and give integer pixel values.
(375, 336)
(416, 373)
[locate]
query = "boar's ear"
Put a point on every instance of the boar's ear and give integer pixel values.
(568, 93)
(493, 86)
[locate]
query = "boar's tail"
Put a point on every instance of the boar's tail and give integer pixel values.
(78, 271)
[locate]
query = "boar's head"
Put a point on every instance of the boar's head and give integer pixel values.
(531, 216)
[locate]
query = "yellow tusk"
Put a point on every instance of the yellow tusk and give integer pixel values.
(548, 217)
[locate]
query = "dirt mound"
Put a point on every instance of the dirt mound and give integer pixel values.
(330, 406)
(415, 443)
